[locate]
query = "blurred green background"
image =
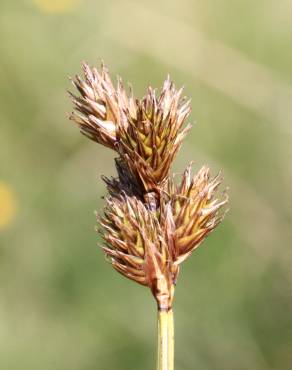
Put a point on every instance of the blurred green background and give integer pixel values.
(62, 307)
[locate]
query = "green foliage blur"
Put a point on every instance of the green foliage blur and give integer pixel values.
(62, 307)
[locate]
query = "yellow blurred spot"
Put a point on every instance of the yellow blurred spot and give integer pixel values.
(55, 6)
(7, 205)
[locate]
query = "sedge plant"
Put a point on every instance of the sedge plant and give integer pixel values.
(151, 222)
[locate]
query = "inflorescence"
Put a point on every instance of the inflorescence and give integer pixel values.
(150, 223)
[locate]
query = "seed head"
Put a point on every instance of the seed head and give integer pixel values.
(194, 210)
(98, 110)
(150, 225)
(154, 134)
(146, 133)
(136, 246)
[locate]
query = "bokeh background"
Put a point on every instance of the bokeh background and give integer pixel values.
(62, 307)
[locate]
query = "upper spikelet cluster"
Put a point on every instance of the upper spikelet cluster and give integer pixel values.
(150, 223)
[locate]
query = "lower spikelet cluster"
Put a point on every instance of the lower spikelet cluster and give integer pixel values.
(151, 223)
(147, 245)
(136, 245)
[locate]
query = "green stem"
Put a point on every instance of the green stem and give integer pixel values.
(165, 359)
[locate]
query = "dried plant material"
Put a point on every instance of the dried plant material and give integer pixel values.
(99, 108)
(125, 182)
(195, 210)
(150, 224)
(154, 134)
(136, 246)
(146, 133)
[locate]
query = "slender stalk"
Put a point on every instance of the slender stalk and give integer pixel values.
(165, 358)
(171, 339)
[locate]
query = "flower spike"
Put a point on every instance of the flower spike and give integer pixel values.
(98, 109)
(150, 225)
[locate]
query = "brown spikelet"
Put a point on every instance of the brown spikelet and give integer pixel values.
(99, 106)
(195, 210)
(136, 246)
(154, 134)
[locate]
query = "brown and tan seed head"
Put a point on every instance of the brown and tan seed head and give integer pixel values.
(150, 225)
(196, 209)
(98, 107)
(136, 246)
(146, 133)
(154, 134)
